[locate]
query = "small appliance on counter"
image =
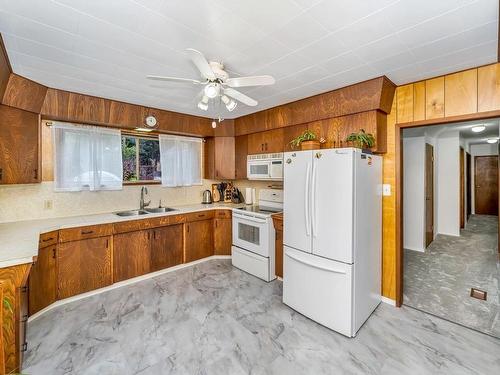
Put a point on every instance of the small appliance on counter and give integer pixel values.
(207, 197)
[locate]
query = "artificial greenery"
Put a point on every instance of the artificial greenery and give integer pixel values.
(361, 139)
(306, 136)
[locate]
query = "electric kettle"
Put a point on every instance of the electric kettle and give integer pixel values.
(207, 197)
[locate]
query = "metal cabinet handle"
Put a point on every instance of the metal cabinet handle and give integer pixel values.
(54, 253)
(87, 232)
(35, 174)
(48, 239)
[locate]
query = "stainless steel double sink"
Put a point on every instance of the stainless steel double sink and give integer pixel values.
(146, 211)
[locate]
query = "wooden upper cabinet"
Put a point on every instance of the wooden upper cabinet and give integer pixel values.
(240, 156)
(461, 93)
(19, 151)
(83, 266)
(404, 99)
(198, 239)
(167, 247)
(220, 158)
(419, 101)
(42, 280)
(223, 237)
(266, 142)
(131, 255)
(434, 98)
(488, 86)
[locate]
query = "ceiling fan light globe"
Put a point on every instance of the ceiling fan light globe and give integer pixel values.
(212, 90)
(203, 106)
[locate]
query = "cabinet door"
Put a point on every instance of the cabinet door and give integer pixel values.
(224, 158)
(19, 156)
(223, 237)
(240, 155)
(198, 238)
(83, 266)
(266, 142)
(131, 254)
(256, 143)
(42, 280)
(166, 247)
(278, 264)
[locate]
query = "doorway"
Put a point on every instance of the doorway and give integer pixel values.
(429, 194)
(468, 168)
(462, 187)
(486, 185)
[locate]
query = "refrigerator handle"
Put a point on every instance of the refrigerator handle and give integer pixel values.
(313, 199)
(306, 199)
(318, 266)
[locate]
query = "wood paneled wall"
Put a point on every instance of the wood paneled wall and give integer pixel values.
(466, 95)
(24, 94)
(5, 68)
(373, 95)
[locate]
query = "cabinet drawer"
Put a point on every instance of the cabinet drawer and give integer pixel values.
(48, 239)
(196, 216)
(81, 233)
(165, 220)
(223, 214)
(130, 226)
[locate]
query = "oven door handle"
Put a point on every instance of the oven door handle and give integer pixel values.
(249, 218)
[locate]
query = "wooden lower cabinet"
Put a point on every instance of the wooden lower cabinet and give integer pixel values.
(167, 245)
(42, 280)
(83, 266)
(223, 236)
(198, 239)
(131, 255)
(278, 244)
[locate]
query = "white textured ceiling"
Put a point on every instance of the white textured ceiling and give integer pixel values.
(106, 47)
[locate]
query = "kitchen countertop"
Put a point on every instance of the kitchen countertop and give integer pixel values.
(19, 240)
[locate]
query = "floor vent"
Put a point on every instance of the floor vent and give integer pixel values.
(479, 294)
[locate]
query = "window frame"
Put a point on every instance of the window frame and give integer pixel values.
(137, 136)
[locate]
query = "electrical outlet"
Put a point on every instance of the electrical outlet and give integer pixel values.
(47, 204)
(386, 190)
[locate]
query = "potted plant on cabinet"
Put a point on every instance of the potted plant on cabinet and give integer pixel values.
(362, 140)
(306, 141)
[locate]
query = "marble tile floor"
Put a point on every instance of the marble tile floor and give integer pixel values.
(439, 280)
(212, 318)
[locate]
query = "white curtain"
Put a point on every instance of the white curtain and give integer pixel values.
(86, 158)
(180, 160)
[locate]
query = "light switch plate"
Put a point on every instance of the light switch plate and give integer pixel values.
(47, 204)
(386, 190)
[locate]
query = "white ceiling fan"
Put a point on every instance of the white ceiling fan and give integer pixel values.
(217, 83)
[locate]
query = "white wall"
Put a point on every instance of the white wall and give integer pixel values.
(479, 150)
(414, 193)
(448, 186)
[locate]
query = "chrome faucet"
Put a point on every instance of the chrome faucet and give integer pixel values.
(144, 191)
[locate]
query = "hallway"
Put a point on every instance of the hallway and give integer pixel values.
(439, 281)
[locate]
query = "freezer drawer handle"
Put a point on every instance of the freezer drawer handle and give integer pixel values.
(314, 265)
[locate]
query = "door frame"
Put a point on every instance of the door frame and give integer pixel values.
(430, 147)
(398, 167)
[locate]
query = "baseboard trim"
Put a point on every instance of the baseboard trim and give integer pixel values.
(388, 301)
(122, 284)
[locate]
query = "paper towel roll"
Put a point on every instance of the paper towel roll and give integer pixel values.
(248, 196)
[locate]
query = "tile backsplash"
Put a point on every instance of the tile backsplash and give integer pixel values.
(26, 202)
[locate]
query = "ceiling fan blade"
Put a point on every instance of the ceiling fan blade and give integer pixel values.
(201, 63)
(173, 79)
(240, 97)
(250, 81)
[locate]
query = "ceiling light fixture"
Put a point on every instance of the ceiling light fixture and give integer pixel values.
(478, 129)
(144, 129)
(203, 104)
(212, 90)
(230, 104)
(492, 140)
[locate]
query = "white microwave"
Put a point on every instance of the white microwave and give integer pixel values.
(265, 167)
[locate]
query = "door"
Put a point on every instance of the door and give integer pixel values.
(296, 200)
(19, 153)
(320, 289)
(462, 188)
(42, 280)
(198, 237)
(429, 194)
(332, 188)
(223, 238)
(486, 185)
(167, 246)
(83, 266)
(131, 254)
(251, 233)
(468, 168)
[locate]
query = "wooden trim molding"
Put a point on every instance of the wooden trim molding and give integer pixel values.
(451, 119)
(5, 68)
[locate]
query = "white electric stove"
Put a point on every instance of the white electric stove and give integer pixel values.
(253, 235)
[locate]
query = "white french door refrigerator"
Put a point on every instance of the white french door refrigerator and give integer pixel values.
(333, 236)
